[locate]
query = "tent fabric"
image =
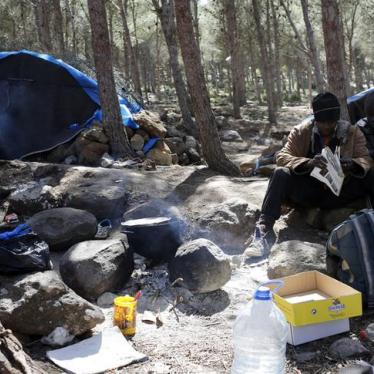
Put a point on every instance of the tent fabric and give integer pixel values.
(45, 102)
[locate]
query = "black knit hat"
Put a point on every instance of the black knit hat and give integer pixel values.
(326, 107)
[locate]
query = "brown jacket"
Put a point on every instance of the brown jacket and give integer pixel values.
(299, 142)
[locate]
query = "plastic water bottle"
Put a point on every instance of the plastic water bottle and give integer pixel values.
(260, 337)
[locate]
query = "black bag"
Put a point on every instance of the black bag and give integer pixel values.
(24, 254)
(350, 254)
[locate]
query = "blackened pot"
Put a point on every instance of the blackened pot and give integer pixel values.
(157, 238)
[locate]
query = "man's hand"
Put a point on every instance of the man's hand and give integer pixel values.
(317, 161)
(347, 165)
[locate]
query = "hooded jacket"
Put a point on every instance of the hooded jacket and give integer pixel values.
(300, 145)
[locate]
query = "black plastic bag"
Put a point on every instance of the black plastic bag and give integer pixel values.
(24, 254)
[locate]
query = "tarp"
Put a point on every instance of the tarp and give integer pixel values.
(45, 102)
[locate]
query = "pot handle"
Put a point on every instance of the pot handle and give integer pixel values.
(128, 232)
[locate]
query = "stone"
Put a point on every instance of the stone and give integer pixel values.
(150, 123)
(143, 134)
(97, 191)
(246, 167)
(172, 132)
(28, 199)
(174, 158)
(91, 153)
(202, 265)
(361, 367)
(160, 154)
(95, 134)
(137, 142)
(294, 256)
(230, 136)
(93, 267)
(229, 224)
(63, 227)
(190, 142)
(305, 356)
(193, 155)
(129, 132)
(345, 348)
(106, 300)
(176, 145)
(221, 122)
(35, 304)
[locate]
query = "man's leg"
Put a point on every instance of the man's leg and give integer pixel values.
(302, 190)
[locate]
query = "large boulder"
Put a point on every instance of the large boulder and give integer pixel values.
(160, 154)
(229, 224)
(35, 304)
(63, 227)
(93, 267)
(97, 191)
(150, 123)
(294, 256)
(230, 136)
(202, 266)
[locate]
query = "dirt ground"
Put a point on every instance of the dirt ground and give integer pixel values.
(196, 334)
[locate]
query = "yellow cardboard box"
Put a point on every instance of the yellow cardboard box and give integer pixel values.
(312, 297)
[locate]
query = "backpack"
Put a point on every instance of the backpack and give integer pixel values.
(22, 251)
(350, 254)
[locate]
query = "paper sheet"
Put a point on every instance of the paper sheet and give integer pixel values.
(105, 351)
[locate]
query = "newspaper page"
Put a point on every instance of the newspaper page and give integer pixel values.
(333, 175)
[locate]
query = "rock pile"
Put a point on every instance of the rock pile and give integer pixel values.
(171, 146)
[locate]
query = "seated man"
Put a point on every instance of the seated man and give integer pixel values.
(291, 181)
(366, 124)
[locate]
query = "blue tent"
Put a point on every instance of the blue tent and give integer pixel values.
(45, 102)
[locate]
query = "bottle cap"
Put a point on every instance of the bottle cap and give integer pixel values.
(263, 293)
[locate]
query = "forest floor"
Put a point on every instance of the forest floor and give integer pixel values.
(196, 335)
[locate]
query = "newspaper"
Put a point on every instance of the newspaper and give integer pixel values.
(333, 175)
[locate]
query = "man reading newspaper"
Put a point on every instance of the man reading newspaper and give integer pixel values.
(334, 152)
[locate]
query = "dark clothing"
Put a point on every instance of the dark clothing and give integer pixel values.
(306, 191)
(368, 131)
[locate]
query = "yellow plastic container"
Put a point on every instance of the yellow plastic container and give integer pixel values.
(124, 315)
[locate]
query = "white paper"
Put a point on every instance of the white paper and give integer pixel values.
(105, 351)
(333, 177)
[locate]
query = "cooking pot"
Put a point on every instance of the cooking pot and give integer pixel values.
(157, 238)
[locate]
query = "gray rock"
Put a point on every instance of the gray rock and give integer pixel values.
(176, 145)
(97, 191)
(106, 299)
(305, 356)
(202, 265)
(190, 141)
(193, 155)
(93, 267)
(32, 197)
(294, 256)
(229, 224)
(361, 367)
(221, 122)
(137, 142)
(230, 136)
(345, 348)
(35, 304)
(63, 227)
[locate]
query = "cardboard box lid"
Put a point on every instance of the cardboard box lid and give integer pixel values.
(313, 297)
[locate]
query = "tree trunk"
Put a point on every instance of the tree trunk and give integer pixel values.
(128, 48)
(358, 63)
(13, 360)
(270, 52)
(58, 27)
(265, 67)
(195, 17)
(277, 48)
(167, 18)
(314, 57)
(112, 120)
(41, 12)
(336, 73)
(236, 63)
(211, 144)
